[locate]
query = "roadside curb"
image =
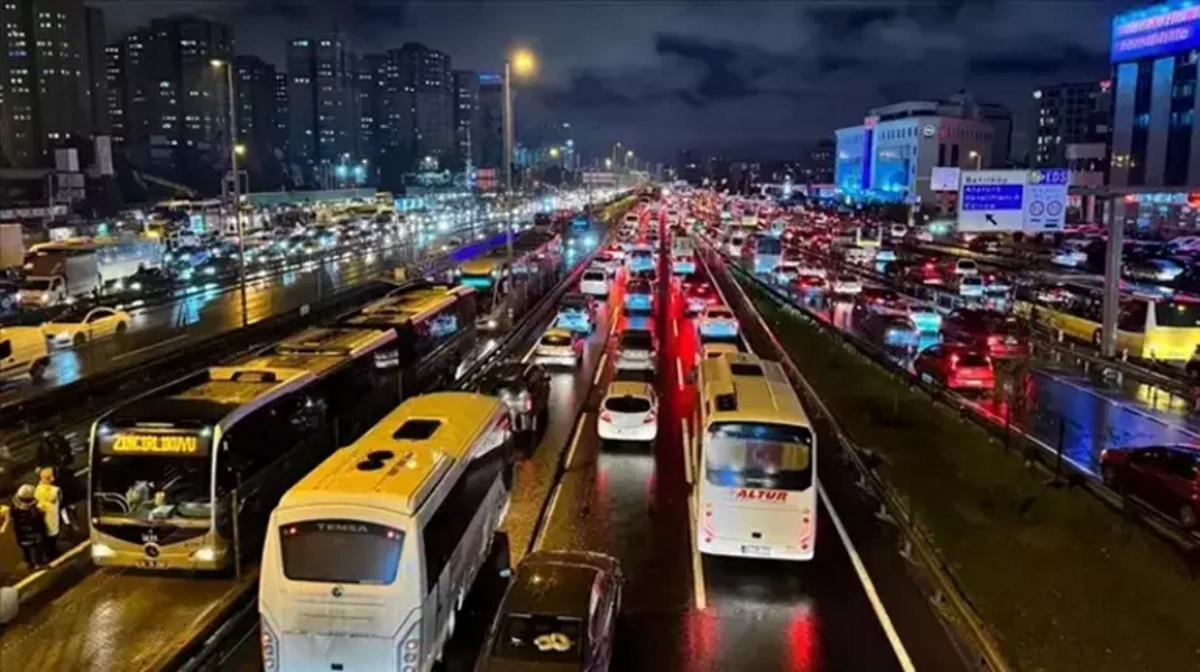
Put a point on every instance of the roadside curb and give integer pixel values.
(28, 588)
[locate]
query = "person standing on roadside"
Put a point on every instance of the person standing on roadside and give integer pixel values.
(29, 525)
(49, 500)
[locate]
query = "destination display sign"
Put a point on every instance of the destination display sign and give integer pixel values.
(153, 443)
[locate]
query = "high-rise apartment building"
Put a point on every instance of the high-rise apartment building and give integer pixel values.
(418, 100)
(52, 77)
(322, 107)
(372, 120)
(257, 107)
(280, 139)
(491, 121)
(467, 135)
(1069, 114)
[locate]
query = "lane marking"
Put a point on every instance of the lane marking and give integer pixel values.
(885, 621)
(600, 368)
(699, 594)
(679, 372)
(675, 328)
(525, 359)
(152, 346)
(687, 451)
(541, 538)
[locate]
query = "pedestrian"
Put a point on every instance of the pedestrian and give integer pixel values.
(49, 500)
(29, 525)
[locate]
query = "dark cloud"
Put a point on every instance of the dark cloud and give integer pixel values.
(1036, 64)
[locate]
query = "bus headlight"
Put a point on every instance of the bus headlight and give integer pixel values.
(101, 551)
(204, 554)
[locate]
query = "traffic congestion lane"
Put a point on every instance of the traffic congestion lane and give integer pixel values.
(200, 315)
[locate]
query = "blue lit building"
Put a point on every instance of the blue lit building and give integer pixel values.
(892, 154)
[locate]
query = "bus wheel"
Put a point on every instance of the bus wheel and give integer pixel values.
(501, 560)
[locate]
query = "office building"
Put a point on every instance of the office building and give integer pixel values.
(52, 78)
(491, 121)
(1001, 120)
(419, 99)
(372, 121)
(280, 139)
(467, 135)
(257, 106)
(891, 156)
(816, 163)
(322, 108)
(1068, 114)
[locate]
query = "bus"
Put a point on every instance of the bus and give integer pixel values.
(868, 235)
(484, 273)
(435, 329)
(182, 476)
(757, 484)
(768, 252)
(370, 557)
(1153, 324)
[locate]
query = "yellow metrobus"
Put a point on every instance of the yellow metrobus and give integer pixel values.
(1154, 323)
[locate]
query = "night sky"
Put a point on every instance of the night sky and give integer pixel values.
(749, 79)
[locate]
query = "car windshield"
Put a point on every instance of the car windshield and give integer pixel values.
(627, 404)
(537, 638)
(36, 284)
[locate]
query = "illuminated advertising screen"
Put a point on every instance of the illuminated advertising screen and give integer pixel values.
(1155, 31)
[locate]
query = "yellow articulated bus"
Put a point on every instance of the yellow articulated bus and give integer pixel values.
(1153, 324)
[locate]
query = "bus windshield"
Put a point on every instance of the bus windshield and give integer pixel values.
(151, 489)
(759, 455)
(769, 245)
(1177, 314)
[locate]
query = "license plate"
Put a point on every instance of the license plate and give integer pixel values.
(973, 383)
(756, 550)
(150, 564)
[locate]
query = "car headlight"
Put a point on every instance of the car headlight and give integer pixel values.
(101, 551)
(204, 554)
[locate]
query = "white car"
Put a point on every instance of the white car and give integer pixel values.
(629, 412)
(76, 327)
(717, 322)
(561, 347)
(966, 267)
(846, 284)
(970, 286)
(898, 230)
(637, 350)
(594, 282)
(811, 271)
(1069, 256)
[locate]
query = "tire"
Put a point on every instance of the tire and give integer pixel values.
(1187, 517)
(1110, 478)
(79, 340)
(501, 557)
(38, 371)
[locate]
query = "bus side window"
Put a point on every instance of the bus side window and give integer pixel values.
(1133, 316)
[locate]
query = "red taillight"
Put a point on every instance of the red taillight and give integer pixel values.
(954, 361)
(649, 418)
(929, 266)
(606, 416)
(993, 341)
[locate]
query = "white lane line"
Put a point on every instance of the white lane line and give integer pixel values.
(541, 539)
(687, 450)
(675, 328)
(679, 372)
(152, 346)
(699, 594)
(525, 359)
(885, 621)
(599, 369)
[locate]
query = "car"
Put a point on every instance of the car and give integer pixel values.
(984, 245)
(637, 350)
(559, 612)
(594, 282)
(717, 321)
(576, 312)
(1154, 270)
(846, 285)
(874, 299)
(970, 286)
(996, 333)
(956, 366)
(923, 314)
(898, 231)
(890, 330)
(1165, 477)
(639, 295)
(559, 346)
(629, 412)
(923, 273)
(697, 293)
(145, 280)
(524, 388)
(78, 326)
(606, 262)
(965, 267)
(786, 273)
(616, 251)
(996, 283)
(1071, 256)
(23, 351)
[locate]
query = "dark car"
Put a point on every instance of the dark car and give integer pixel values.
(524, 387)
(1000, 335)
(956, 366)
(892, 331)
(1164, 477)
(559, 613)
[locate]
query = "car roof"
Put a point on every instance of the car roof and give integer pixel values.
(558, 331)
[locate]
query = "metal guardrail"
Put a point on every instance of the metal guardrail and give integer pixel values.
(952, 603)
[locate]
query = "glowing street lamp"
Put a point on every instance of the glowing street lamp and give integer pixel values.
(977, 156)
(234, 151)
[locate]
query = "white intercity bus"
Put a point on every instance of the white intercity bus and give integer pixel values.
(369, 558)
(757, 485)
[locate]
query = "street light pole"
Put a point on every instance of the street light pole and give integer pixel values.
(508, 164)
(233, 173)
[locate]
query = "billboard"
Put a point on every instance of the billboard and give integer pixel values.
(944, 178)
(1013, 200)
(1154, 31)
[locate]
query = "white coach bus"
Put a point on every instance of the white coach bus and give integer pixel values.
(757, 491)
(369, 557)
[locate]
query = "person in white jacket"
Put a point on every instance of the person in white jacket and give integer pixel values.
(49, 500)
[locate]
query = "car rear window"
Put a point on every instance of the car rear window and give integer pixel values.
(971, 359)
(720, 314)
(556, 339)
(636, 340)
(639, 287)
(627, 404)
(594, 275)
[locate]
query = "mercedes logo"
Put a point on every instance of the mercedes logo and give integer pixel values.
(337, 591)
(151, 550)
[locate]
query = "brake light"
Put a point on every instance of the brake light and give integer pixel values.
(649, 418)
(993, 341)
(954, 361)
(606, 416)
(929, 266)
